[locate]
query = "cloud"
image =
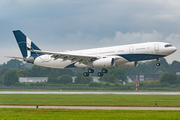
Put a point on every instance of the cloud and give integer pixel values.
(79, 24)
(138, 37)
(173, 38)
(77, 39)
(134, 37)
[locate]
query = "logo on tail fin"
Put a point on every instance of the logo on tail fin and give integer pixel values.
(28, 44)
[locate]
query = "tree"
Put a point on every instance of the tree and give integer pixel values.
(174, 67)
(3, 71)
(52, 73)
(23, 73)
(86, 80)
(10, 77)
(149, 67)
(115, 75)
(14, 64)
(80, 79)
(64, 79)
(160, 69)
(142, 67)
(168, 78)
(178, 80)
(111, 78)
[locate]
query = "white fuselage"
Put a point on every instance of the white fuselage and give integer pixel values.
(122, 53)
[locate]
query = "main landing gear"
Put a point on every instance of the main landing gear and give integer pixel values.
(102, 72)
(158, 60)
(86, 74)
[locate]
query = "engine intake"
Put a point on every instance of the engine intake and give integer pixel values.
(104, 62)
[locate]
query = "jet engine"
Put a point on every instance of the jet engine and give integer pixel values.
(29, 60)
(128, 65)
(103, 62)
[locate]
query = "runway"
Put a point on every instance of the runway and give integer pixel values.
(62, 92)
(93, 107)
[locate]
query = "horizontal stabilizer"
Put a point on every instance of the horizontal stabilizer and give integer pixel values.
(16, 57)
(29, 60)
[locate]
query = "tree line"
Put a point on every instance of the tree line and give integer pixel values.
(14, 69)
(150, 67)
(10, 76)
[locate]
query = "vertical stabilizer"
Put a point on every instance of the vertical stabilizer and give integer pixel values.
(24, 42)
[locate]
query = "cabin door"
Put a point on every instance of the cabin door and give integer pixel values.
(131, 49)
(156, 47)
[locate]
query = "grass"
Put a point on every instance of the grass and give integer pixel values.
(63, 114)
(90, 100)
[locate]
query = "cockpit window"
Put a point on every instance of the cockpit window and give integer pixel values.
(168, 45)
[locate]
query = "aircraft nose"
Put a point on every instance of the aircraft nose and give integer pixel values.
(174, 49)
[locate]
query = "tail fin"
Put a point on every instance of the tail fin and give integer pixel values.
(24, 43)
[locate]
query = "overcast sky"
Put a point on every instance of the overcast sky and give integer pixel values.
(59, 25)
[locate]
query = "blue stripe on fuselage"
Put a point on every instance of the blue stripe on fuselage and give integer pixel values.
(140, 57)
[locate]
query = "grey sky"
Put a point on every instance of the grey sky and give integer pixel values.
(61, 25)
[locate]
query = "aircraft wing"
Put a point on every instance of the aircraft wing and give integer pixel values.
(65, 56)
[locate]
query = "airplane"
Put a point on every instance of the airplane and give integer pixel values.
(123, 56)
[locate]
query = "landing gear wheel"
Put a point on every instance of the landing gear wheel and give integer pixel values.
(100, 74)
(86, 74)
(158, 64)
(104, 70)
(90, 70)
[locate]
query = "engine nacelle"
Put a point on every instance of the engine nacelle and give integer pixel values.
(128, 65)
(29, 60)
(103, 62)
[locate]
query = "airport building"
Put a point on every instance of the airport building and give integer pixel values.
(95, 79)
(178, 74)
(33, 79)
(146, 77)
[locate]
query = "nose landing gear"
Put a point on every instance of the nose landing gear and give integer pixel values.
(158, 60)
(158, 64)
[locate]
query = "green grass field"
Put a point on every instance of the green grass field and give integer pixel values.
(63, 114)
(90, 100)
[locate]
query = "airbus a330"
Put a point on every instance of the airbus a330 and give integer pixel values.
(123, 56)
